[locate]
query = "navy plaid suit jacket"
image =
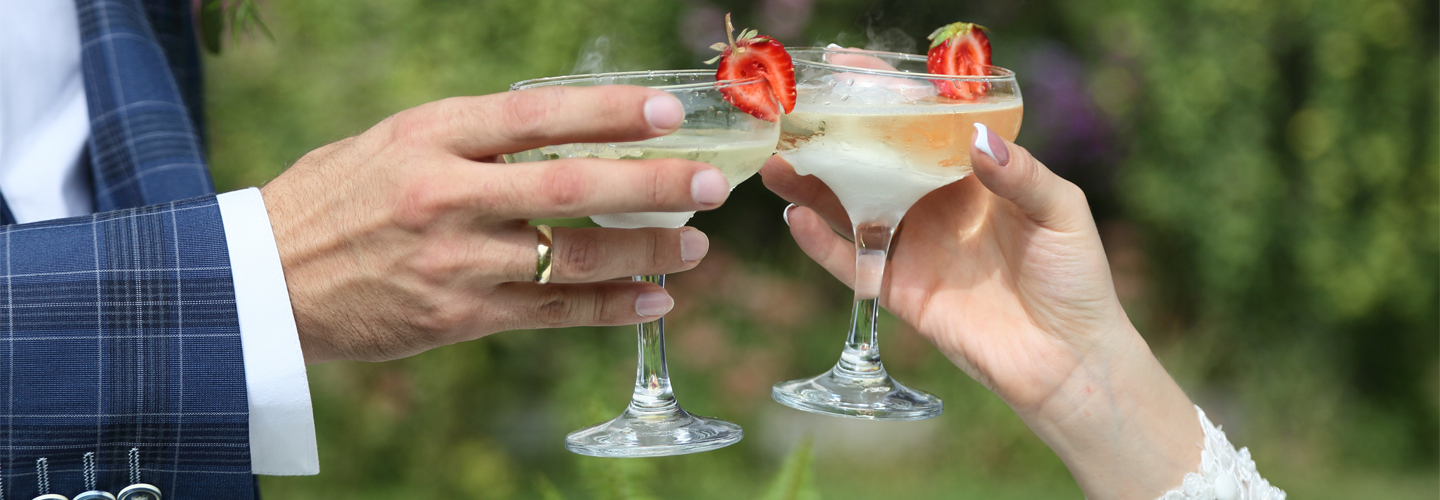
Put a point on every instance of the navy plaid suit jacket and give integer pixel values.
(119, 330)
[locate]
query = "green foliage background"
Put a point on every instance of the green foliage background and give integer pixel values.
(1267, 192)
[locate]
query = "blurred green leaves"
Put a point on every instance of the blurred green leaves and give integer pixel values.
(238, 16)
(1284, 168)
(796, 479)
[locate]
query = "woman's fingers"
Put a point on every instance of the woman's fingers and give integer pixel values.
(806, 191)
(1010, 172)
(815, 238)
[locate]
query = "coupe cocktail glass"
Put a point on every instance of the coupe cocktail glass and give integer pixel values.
(714, 132)
(874, 128)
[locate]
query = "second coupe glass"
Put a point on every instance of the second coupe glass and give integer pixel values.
(875, 129)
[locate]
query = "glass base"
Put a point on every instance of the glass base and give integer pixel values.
(877, 397)
(653, 434)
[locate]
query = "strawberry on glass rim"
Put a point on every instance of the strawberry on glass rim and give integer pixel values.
(754, 55)
(959, 49)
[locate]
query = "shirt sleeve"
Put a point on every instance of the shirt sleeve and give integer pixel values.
(282, 425)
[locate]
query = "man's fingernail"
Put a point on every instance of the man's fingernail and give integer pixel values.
(786, 214)
(987, 142)
(664, 112)
(693, 245)
(709, 187)
(653, 304)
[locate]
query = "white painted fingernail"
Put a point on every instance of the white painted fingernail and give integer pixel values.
(664, 112)
(653, 304)
(987, 142)
(982, 140)
(693, 245)
(786, 214)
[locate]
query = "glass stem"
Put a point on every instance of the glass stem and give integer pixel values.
(652, 378)
(861, 358)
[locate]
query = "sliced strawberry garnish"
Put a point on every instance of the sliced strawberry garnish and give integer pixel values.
(750, 56)
(959, 49)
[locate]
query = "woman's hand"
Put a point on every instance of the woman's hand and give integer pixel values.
(1005, 273)
(412, 235)
(1016, 293)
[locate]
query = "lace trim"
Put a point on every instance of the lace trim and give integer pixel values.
(1225, 474)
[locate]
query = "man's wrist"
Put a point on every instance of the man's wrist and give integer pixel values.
(296, 253)
(1121, 415)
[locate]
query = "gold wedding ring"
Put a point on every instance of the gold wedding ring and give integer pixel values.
(544, 246)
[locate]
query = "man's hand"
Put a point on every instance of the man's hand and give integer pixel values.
(414, 235)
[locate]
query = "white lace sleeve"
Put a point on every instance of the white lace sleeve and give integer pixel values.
(1225, 474)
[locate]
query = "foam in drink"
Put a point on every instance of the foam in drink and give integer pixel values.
(880, 160)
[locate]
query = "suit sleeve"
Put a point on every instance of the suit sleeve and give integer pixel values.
(118, 331)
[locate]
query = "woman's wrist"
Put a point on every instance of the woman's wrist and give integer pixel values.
(1120, 423)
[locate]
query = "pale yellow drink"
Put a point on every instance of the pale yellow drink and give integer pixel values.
(736, 153)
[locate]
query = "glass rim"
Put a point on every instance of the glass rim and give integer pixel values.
(1004, 74)
(713, 84)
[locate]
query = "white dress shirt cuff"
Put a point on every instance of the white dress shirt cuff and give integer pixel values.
(282, 426)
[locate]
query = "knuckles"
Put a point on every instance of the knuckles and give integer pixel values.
(445, 316)
(423, 200)
(1076, 194)
(423, 126)
(409, 128)
(667, 183)
(553, 308)
(527, 115)
(440, 260)
(1076, 202)
(563, 187)
(658, 259)
(656, 182)
(582, 256)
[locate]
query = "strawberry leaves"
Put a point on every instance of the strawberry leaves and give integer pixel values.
(748, 56)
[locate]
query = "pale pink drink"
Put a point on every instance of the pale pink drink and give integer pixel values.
(880, 139)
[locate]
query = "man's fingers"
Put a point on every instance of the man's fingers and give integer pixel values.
(579, 187)
(577, 255)
(598, 254)
(816, 239)
(806, 191)
(511, 122)
(1010, 172)
(556, 305)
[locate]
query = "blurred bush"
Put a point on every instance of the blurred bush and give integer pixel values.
(1283, 172)
(1265, 175)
